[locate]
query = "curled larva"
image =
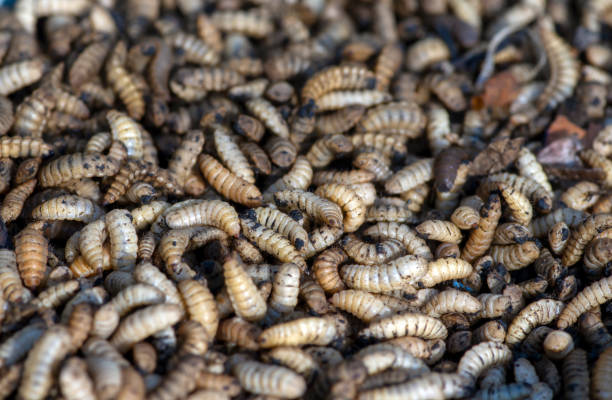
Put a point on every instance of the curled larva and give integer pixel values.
(56, 295)
(269, 115)
(200, 305)
(425, 53)
(591, 296)
(135, 296)
(228, 184)
(443, 231)
(337, 78)
(43, 361)
(123, 238)
(540, 312)
(285, 290)
(127, 131)
(324, 150)
(322, 209)
(205, 212)
(582, 235)
(310, 330)
(402, 233)
(270, 241)
(150, 274)
(398, 274)
(347, 199)
(144, 323)
(597, 255)
(581, 196)
(91, 243)
(31, 250)
(518, 205)
(410, 177)
(558, 235)
(564, 67)
(371, 253)
(482, 357)
(180, 380)
(244, 296)
(444, 269)
(405, 324)
(451, 300)
(282, 224)
(240, 332)
(325, 269)
(530, 188)
(529, 167)
(481, 237)
(539, 227)
(511, 233)
(269, 380)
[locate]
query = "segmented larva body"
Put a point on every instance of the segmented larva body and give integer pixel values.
(558, 235)
(361, 304)
(509, 391)
(403, 118)
(239, 332)
(339, 121)
(285, 289)
(398, 274)
(19, 75)
(20, 147)
(530, 188)
(31, 251)
(445, 269)
(43, 361)
(14, 200)
(388, 62)
(228, 184)
(443, 231)
(351, 176)
(581, 196)
(282, 224)
(310, 330)
(539, 227)
(123, 238)
(88, 63)
(91, 243)
(200, 305)
(270, 241)
(324, 150)
(144, 323)
(205, 212)
(80, 268)
(269, 380)
(135, 296)
(425, 53)
(494, 305)
(127, 131)
(286, 65)
(124, 84)
(576, 375)
(150, 274)
(451, 300)
(371, 253)
(389, 145)
(540, 312)
(342, 77)
(76, 166)
(180, 380)
(244, 296)
(529, 167)
(343, 98)
(483, 357)
(591, 296)
(74, 381)
(402, 233)
(596, 160)
(564, 67)
(482, 236)
(324, 210)
(269, 115)
(325, 269)
(406, 324)
(582, 235)
(185, 156)
(67, 207)
(601, 376)
(410, 176)
(347, 199)
(597, 255)
(515, 256)
(6, 115)
(383, 212)
(11, 286)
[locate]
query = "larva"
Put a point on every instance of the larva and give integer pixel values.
(343, 77)
(200, 306)
(481, 237)
(398, 274)
(563, 67)
(271, 118)
(74, 381)
(268, 379)
(443, 231)
(371, 253)
(391, 146)
(529, 167)
(404, 234)
(557, 345)
(127, 131)
(325, 269)
(285, 290)
(324, 210)
(347, 199)
(19, 75)
(339, 121)
(310, 330)
(405, 324)
(148, 273)
(257, 157)
(180, 380)
(12, 204)
(325, 149)
(67, 207)
(452, 300)
(228, 184)
(134, 296)
(76, 166)
(410, 177)
(240, 332)
(143, 323)
(482, 357)
(205, 212)
(597, 255)
(445, 269)
(246, 300)
(339, 99)
(515, 256)
(576, 375)
(270, 241)
(540, 312)
(123, 83)
(283, 224)
(601, 370)
(539, 227)
(388, 63)
(57, 295)
(530, 188)
(582, 235)
(596, 160)
(31, 251)
(511, 233)
(591, 296)
(123, 238)
(402, 118)
(425, 53)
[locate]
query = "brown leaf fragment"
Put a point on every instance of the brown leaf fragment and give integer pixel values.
(497, 156)
(562, 128)
(562, 151)
(574, 173)
(501, 90)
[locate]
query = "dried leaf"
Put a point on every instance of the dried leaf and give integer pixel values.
(562, 151)
(501, 90)
(562, 128)
(497, 156)
(574, 173)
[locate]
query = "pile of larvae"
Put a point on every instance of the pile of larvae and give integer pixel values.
(306, 199)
